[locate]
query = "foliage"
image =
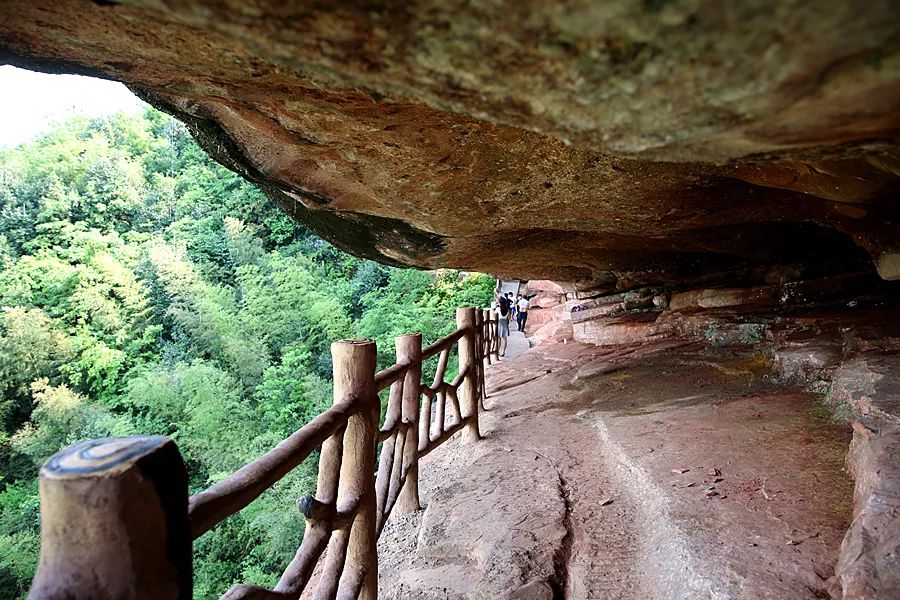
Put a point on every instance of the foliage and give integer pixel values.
(145, 289)
(31, 347)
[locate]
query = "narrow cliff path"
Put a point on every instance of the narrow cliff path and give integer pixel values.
(516, 345)
(653, 473)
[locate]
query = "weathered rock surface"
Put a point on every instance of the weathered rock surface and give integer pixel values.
(863, 387)
(634, 481)
(869, 565)
(611, 143)
(813, 338)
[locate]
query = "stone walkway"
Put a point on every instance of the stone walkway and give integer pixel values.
(516, 345)
(656, 473)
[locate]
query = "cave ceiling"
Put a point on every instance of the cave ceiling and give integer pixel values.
(613, 143)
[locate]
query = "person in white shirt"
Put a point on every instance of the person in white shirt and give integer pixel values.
(522, 311)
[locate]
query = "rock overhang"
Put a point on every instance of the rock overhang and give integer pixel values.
(616, 144)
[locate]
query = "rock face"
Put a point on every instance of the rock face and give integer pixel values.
(628, 473)
(821, 335)
(615, 144)
(719, 171)
(869, 565)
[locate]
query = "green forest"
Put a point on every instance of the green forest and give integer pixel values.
(146, 289)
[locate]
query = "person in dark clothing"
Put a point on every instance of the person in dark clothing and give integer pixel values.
(503, 303)
(512, 305)
(501, 311)
(522, 311)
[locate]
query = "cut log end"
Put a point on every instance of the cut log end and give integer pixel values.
(115, 510)
(101, 457)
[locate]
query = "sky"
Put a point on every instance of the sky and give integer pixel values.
(31, 102)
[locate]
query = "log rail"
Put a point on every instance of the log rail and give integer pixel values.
(117, 522)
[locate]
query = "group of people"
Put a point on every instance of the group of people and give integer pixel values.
(505, 309)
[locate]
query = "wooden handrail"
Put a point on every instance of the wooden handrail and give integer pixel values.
(442, 344)
(346, 515)
(223, 499)
(394, 410)
(386, 377)
(384, 433)
(409, 349)
(457, 381)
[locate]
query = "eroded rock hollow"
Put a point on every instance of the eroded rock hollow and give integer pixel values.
(607, 143)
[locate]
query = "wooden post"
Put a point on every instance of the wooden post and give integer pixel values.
(354, 378)
(488, 338)
(409, 350)
(480, 356)
(327, 492)
(468, 397)
(114, 522)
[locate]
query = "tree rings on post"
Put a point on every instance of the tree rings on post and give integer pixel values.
(96, 456)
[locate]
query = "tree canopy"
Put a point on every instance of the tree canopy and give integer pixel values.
(146, 289)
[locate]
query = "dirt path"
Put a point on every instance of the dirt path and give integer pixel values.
(617, 475)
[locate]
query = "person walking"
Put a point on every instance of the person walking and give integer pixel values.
(501, 310)
(522, 304)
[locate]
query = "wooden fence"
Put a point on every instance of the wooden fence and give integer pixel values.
(117, 522)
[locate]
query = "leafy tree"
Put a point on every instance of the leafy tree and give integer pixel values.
(18, 562)
(145, 289)
(62, 417)
(205, 317)
(31, 347)
(288, 301)
(290, 394)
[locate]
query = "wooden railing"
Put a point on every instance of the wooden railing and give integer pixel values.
(117, 522)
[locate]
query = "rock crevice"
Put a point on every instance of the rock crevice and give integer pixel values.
(559, 582)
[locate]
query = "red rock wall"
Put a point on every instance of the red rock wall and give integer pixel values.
(819, 334)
